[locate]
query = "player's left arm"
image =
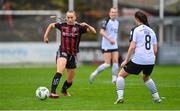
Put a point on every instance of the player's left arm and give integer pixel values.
(155, 49)
(155, 46)
(89, 28)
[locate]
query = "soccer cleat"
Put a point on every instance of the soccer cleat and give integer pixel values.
(53, 95)
(65, 93)
(157, 100)
(91, 79)
(119, 101)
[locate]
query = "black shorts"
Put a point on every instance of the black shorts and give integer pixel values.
(133, 68)
(108, 50)
(71, 59)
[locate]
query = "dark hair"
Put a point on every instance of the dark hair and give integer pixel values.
(142, 17)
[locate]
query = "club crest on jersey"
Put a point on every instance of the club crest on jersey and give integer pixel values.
(64, 54)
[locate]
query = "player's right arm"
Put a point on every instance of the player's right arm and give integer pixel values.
(49, 28)
(103, 33)
(130, 52)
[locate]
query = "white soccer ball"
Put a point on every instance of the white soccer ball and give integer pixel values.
(42, 93)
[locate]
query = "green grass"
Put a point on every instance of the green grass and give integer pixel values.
(18, 85)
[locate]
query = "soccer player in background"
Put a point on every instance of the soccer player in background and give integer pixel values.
(109, 45)
(7, 6)
(66, 55)
(143, 50)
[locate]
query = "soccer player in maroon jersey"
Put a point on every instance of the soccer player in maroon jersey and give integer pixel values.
(66, 55)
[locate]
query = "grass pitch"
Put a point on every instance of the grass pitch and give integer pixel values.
(18, 85)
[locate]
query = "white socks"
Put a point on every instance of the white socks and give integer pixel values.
(101, 68)
(152, 87)
(115, 69)
(120, 87)
(149, 83)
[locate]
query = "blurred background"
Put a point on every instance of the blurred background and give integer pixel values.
(23, 24)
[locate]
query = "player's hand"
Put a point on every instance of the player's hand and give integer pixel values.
(46, 40)
(112, 41)
(123, 64)
(84, 24)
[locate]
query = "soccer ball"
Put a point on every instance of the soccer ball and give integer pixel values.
(42, 93)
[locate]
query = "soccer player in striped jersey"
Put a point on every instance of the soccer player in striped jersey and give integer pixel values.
(66, 55)
(109, 45)
(143, 50)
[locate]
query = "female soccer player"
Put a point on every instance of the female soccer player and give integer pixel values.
(109, 31)
(66, 55)
(143, 49)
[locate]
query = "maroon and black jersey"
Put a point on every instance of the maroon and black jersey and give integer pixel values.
(70, 37)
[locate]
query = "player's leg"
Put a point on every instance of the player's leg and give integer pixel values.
(106, 64)
(71, 65)
(68, 83)
(115, 66)
(120, 86)
(61, 63)
(131, 68)
(152, 87)
(150, 83)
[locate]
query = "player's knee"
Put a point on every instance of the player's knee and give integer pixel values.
(120, 78)
(115, 60)
(145, 78)
(123, 73)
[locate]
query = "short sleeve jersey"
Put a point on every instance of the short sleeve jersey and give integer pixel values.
(145, 38)
(70, 37)
(111, 29)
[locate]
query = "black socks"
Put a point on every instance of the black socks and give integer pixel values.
(55, 82)
(66, 85)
